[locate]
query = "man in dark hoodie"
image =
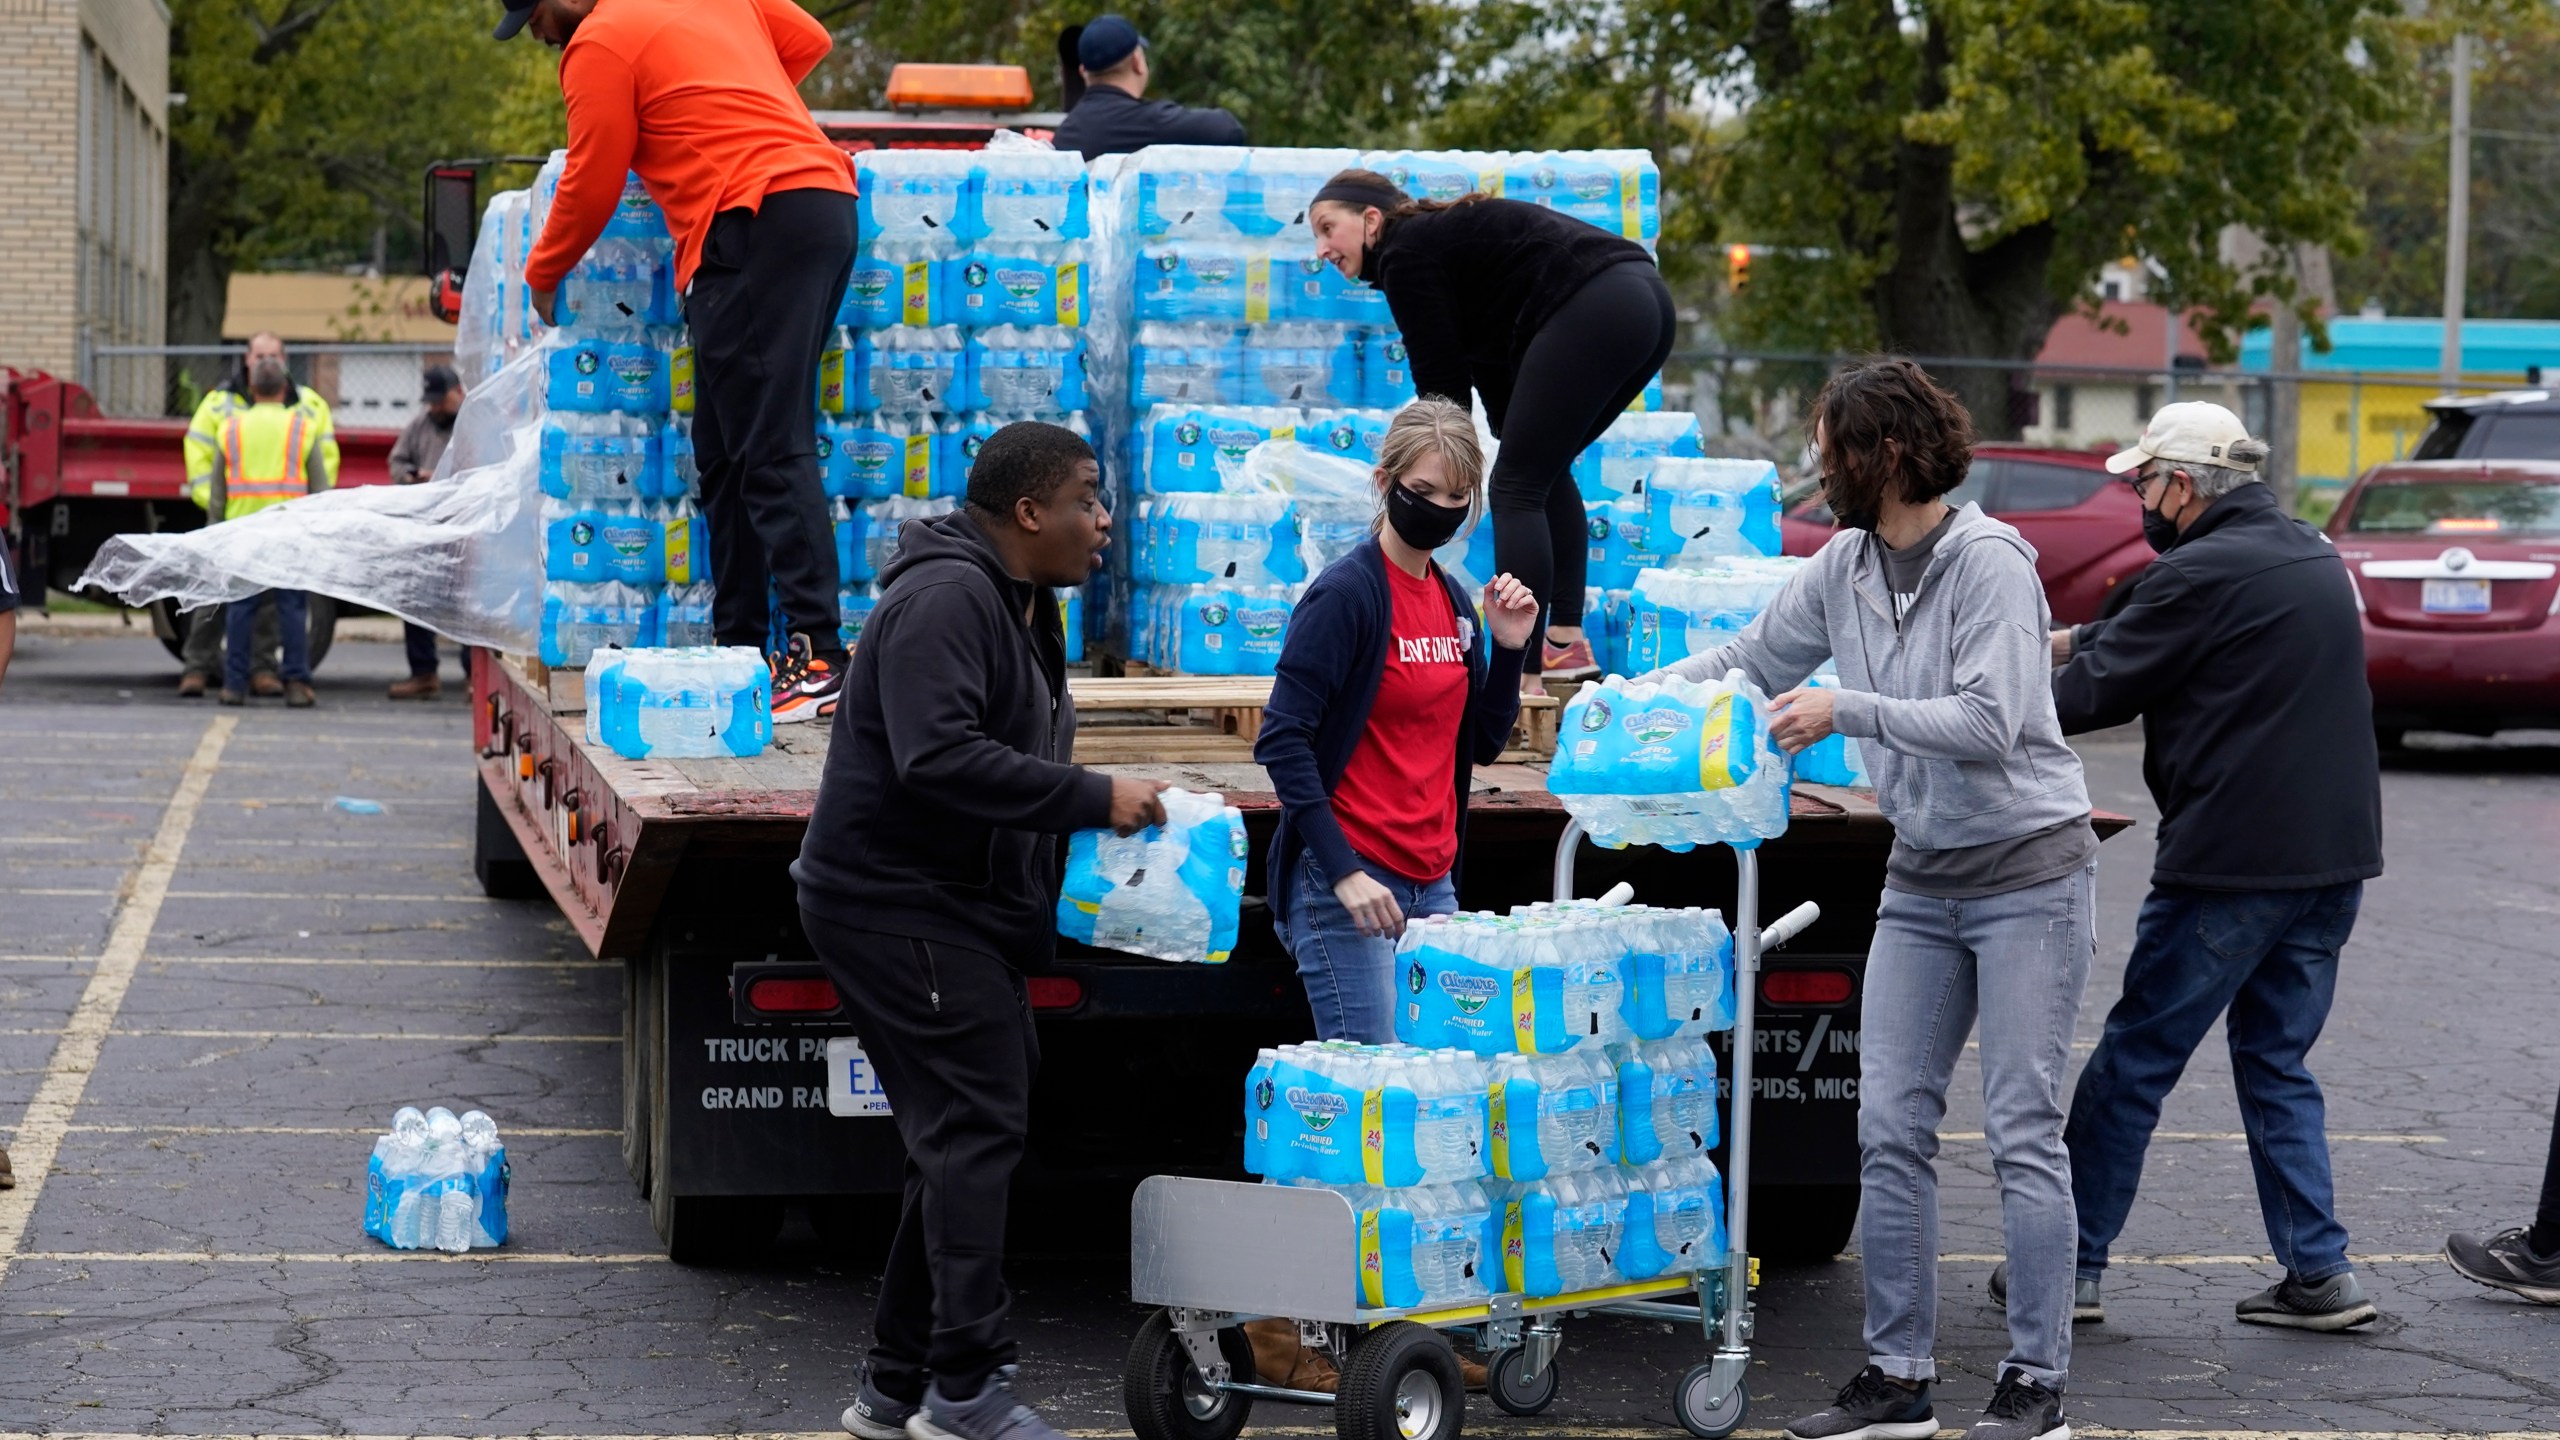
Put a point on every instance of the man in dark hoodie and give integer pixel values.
(930, 875)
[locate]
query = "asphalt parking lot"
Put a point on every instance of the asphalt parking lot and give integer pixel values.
(219, 985)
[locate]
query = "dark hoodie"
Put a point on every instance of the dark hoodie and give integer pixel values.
(946, 778)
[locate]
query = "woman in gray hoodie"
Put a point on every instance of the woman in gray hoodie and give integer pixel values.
(1938, 624)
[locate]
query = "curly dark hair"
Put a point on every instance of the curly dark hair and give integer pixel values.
(1883, 421)
(1026, 458)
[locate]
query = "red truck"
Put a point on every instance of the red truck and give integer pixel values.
(70, 477)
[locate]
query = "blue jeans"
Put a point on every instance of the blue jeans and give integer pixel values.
(2018, 961)
(2269, 957)
(1350, 977)
(293, 621)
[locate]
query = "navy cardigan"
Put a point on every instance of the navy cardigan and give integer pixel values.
(1328, 678)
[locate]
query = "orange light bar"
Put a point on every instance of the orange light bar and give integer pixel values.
(959, 87)
(2467, 525)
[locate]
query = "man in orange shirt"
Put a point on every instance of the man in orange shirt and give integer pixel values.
(699, 97)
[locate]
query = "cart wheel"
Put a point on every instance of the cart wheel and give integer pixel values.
(1401, 1383)
(1704, 1418)
(1512, 1393)
(1164, 1394)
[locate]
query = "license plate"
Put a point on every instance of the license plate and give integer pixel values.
(853, 1087)
(2454, 597)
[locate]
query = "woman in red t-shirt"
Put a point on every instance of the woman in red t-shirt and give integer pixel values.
(1384, 702)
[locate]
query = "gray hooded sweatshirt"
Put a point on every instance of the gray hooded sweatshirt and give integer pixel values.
(1953, 710)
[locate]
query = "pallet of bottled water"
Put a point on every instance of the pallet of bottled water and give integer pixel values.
(1670, 762)
(437, 1182)
(700, 701)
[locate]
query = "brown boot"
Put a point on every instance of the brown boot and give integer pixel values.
(1280, 1360)
(265, 686)
(8, 1175)
(1472, 1373)
(191, 686)
(299, 695)
(417, 687)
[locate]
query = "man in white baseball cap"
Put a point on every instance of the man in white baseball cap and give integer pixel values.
(2241, 653)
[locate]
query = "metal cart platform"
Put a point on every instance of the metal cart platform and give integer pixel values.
(1214, 1253)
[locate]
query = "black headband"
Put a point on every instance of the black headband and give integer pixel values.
(1363, 194)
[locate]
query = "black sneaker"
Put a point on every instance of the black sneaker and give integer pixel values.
(2021, 1409)
(2506, 1260)
(875, 1416)
(2336, 1303)
(805, 683)
(1871, 1407)
(991, 1414)
(2086, 1307)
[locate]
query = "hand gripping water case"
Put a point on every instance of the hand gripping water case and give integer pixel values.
(1675, 763)
(1173, 891)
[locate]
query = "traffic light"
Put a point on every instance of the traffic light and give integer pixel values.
(1737, 267)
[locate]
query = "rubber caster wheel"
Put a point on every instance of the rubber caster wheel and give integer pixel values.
(1164, 1394)
(1705, 1418)
(1512, 1393)
(1401, 1383)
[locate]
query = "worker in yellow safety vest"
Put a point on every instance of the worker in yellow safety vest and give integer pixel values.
(216, 490)
(271, 450)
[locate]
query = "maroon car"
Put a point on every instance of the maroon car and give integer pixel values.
(2455, 564)
(2085, 526)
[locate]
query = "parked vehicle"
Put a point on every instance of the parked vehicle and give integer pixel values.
(2087, 532)
(2509, 425)
(2457, 572)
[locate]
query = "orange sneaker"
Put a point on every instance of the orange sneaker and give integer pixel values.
(1570, 662)
(805, 683)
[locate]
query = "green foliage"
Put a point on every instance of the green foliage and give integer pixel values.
(2514, 271)
(308, 123)
(1963, 167)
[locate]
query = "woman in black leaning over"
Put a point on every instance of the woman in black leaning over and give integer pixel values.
(1557, 325)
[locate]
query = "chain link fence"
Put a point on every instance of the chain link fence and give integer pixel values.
(2340, 423)
(368, 386)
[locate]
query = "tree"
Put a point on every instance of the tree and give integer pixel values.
(308, 123)
(2514, 272)
(1950, 174)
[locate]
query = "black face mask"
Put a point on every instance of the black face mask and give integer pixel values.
(1420, 523)
(2159, 529)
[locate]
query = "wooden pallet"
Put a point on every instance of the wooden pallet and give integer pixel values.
(1177, 719)
(566, 689)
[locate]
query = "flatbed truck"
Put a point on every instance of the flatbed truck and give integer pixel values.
(732, 1110)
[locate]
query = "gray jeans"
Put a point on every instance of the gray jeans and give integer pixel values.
(202, 649)
(2019, 961)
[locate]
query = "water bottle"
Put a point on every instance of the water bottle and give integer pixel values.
(1666, 1100)
(1182, 190)
(911, 194)
(1025, 370)
(1675, 1219)
(899, 282)
(1561, 1235)
(1039, 283)
(1027, 195)
(1548, 1114)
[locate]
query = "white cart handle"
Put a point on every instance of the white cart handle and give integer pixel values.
(1617, 896)
(1790, 925)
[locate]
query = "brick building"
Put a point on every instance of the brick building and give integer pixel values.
(84, 178)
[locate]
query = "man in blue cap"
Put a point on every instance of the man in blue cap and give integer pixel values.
(1111, 117)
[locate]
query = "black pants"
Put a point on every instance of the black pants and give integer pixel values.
(949, 1031)
(762, 306)
(2546, 1221)
(1586, 365)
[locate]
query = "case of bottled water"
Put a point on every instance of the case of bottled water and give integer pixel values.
(1835, 758)
(1708, 510)
(1172, 891)
(1697, 607)
(1670, 762)
(1552, 1113)
(1666, 1099)
(1026, 370)
(1563, 1233)
(437, 1182)
(580, 619)
(1625, 453)
(1422, 1246)
(1679, 971)
(1675, 1219)
(671, 704)
(1539, 981)
(1415, 1117)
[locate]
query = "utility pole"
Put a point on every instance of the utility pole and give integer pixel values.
(2457, 238)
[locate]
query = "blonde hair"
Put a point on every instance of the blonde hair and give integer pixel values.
(1427, 426)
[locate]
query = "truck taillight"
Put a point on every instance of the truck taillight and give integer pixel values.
(779, 996)
(1806, 987)
(1054, 992)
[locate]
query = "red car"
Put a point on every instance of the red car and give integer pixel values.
(2086, 526)
(2457, 571)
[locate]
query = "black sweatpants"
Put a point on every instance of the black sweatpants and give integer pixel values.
(949, 1031)
(1585, 366)
(2545, 1238)
(761, 307)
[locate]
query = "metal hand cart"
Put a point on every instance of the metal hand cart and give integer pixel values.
(1214, 1253)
